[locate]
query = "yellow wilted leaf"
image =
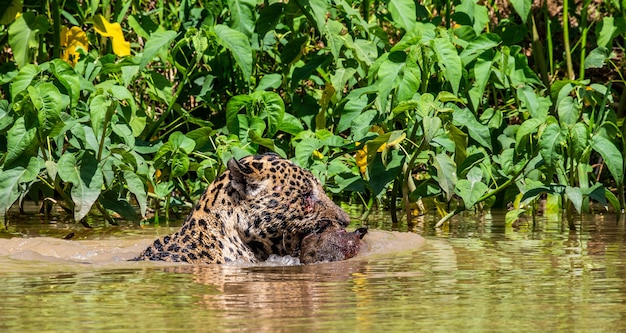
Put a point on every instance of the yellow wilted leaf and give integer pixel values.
(114, 31)
(318, 155)
(361, 158)
(11, 12)
(71, 39)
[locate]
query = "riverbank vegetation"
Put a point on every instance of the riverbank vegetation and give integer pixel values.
(134, 106)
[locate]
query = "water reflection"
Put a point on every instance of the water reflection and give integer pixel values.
(476, 274)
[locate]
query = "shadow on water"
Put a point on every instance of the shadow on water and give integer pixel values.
(475, 274)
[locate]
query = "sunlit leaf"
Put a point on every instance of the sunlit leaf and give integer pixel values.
(242, 15)
(611, 155)
(472, 188)
(49, 103)
(25, 171)
(21, 138)
(522, 8)
(86, 178)
(158, 42)
(403, 13)
(24, 36)
(446, 174)
(449, 62)
(238, 45)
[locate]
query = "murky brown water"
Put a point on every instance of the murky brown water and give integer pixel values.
(475, 276)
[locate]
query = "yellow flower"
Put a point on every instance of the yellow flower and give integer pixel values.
(114, 31)
(70, 40)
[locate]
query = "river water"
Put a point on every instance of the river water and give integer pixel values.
(474, 275)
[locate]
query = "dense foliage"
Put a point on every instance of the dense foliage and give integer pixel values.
(455, 104)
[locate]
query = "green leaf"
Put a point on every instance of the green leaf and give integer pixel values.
(609, 196)
(239, 46)
(568, 110)
(537, 106)
(158, 42)
(382, 174)
(522, 8)
(273, 109)
(305, 148)
(242, 15)
(49, 103)
(606, 32)
(477, 131)
(479, 45)
(597, 57)
(100, 109)
(24, 36)
(181, 142)
(403, 13)
(21, 139)
(446, 174)
(24, 79)
(575, 196)
(11, 180)
(68, 78)
(291, 124)
(432, 125)
(528, 127)
(513, 215)
(482, 72)
(449, 62)
(472, 188)
(550, 142)
(180, 164)
(611, 155)
(86, 178)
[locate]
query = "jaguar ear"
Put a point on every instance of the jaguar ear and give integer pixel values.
(242, 178)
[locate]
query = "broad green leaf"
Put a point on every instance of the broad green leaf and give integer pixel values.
(579, 138)
(388, 73)
(315, 10)
(111, 199)
(449, 62)
(482, 72)
(550, 143)
(365, 51)
(291, 124)
(472, 188)
(239, 46)
(477, 131)
(512, 215)
(268, 18)
(431, 125)
(158, 42)
(68, 78)
(100, 109)
(606, 31)
(270, 81)
(233, 107)
(403, 13)
(575, 196)
(179, 163)
(611, 155)
(11, 180)
(598, 193)
(180, 141)
(332, 33)
(568, 110)
(537, 106)
(21, 139)
(597, 57)
(446, 174)
(305, 149)
(522, 8)
(49, 103)
(382, 174)
(528, 127)
(242, 15)
(273, 109)
(24, 36)
(609, 196)
(479, 45)
(352, 109)
(24, 79)
(86, 178)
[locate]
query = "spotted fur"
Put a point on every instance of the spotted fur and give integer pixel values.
(261, 205)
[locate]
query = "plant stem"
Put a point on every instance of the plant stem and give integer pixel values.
(583, 38)
(568, 53)
(56, 28)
